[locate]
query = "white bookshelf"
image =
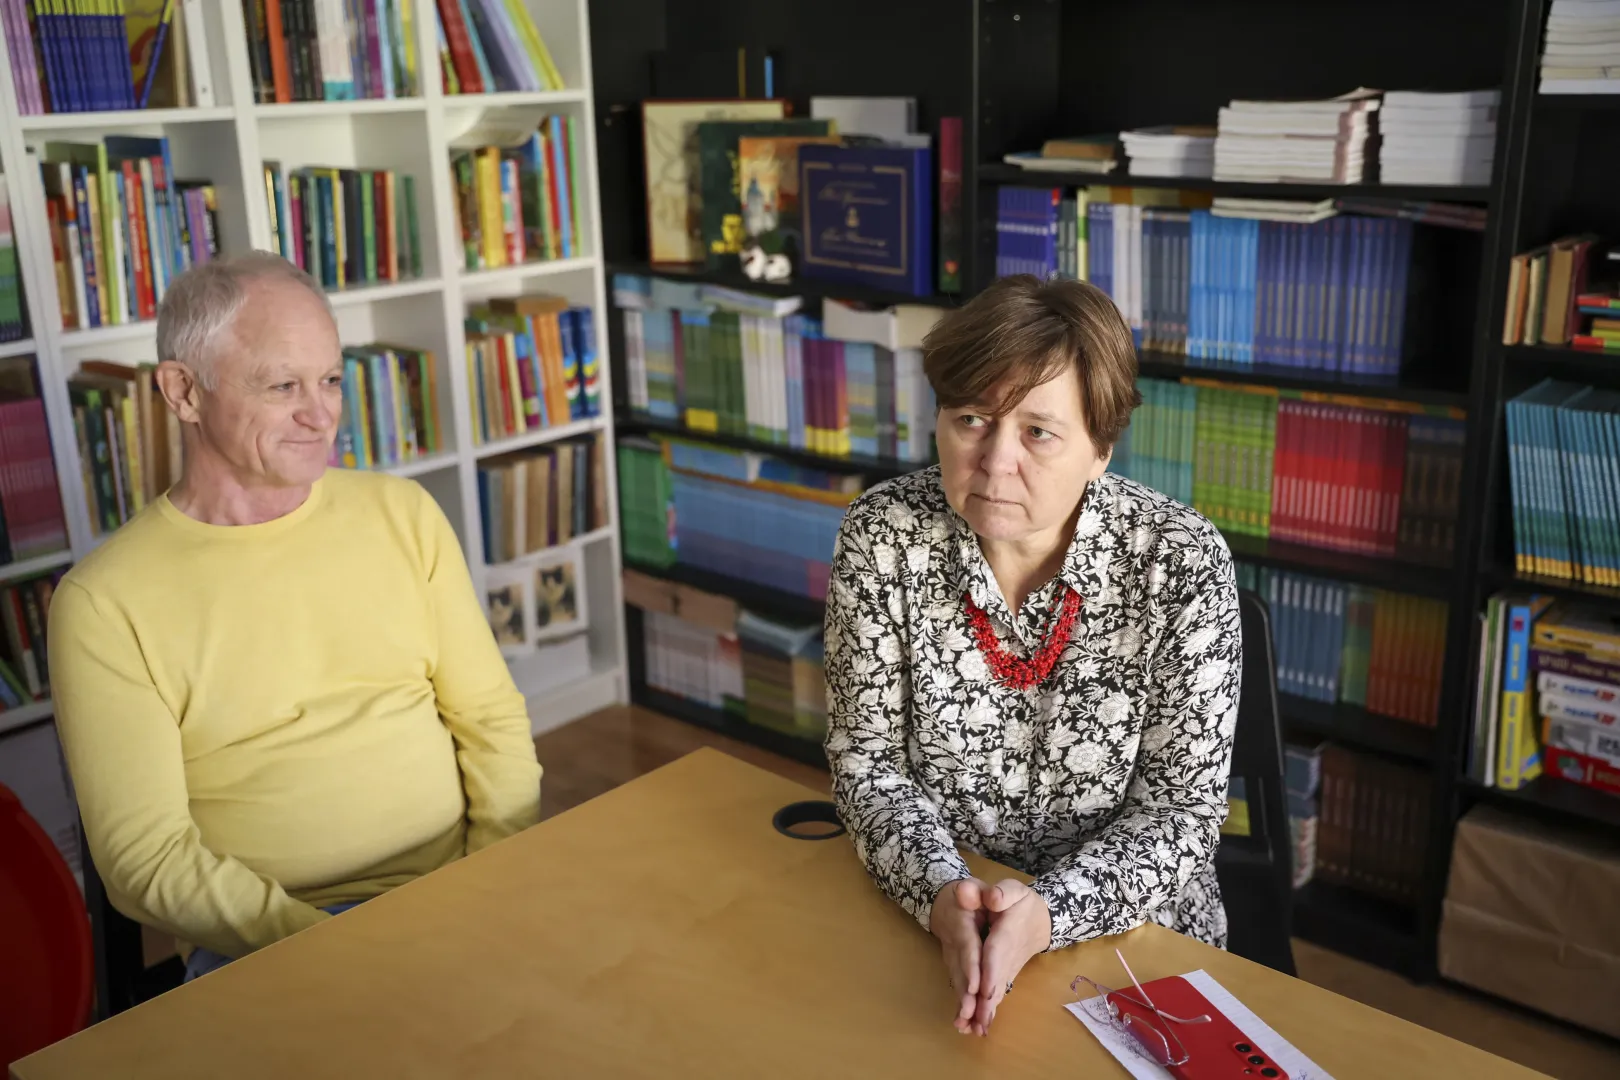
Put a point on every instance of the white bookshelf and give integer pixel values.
(227, 144)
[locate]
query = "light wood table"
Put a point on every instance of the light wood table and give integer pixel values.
(667, 930)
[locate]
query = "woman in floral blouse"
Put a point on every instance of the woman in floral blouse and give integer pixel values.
(1032, 658)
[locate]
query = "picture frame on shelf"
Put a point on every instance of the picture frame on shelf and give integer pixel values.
(557, 586)
(509, 606)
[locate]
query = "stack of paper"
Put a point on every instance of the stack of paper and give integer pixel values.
(1081, 154)
(1582, 54)
(1170, 151)
(1298, 141)
(1438, 138)
(1274, 209)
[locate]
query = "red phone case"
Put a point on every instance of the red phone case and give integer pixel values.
(1216, 1050)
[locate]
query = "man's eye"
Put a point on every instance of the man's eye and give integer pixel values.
(283, 387)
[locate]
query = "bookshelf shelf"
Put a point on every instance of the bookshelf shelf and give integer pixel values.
(1372, 929)
(368, 294)
(1554, 798)
(876, 468)
(425, 464)
(806, 287)
(16, 348)
(1563, 361)
(125, 118)
(511, 98)
(302, 110)
(998, 173)
(31, 713)
(772, 603)
(1560, 102)
(716, 720)
(107, 335)
(1505, 578)
(551, 705)
(1154, 364)
(11, 571)
(1357, 727)
(501, 275)
(584, 539)
(1361, 569)
(540, 437)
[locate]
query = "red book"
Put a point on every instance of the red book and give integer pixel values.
(1394, 480)
(1315, 438)
(28, 493)
(382, 202)
(1285, 473)
(841, 400)
(1351, 531)
(140, 248)
(461, 53)
(1581, 769)
(950, 204)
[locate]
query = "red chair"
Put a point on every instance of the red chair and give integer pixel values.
(45, 950)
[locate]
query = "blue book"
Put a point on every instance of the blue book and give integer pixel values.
(868, 216)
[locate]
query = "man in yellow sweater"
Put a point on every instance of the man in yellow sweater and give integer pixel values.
(275, 686)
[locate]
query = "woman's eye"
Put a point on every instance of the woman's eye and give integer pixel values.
(970, 421)
(1040, 434)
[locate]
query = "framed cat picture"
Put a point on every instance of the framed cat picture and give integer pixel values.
(558, 588)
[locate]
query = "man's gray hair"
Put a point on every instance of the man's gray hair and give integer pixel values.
(200, 306)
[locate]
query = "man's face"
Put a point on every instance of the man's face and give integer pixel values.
(278, 390)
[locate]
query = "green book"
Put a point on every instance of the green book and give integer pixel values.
(719, 180)
(368, 227)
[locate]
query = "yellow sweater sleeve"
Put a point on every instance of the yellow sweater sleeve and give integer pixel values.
(486, 715)
(123, 747)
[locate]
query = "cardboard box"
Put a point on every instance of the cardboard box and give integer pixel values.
(1529, 916)
(717, 613)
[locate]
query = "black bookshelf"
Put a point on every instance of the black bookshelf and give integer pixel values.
(802, 286)
(1023, 71)
(772, 603)
(1416, 388)
(1554, 800)
(725, 723)
(1356, 727)
(1564, 588)
(1354, 923)
(1002, 173)
(875, 468)
(1537, 361)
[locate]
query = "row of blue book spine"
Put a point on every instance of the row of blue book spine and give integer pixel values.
(1564, 472)
(1026, 231)
(759, 535)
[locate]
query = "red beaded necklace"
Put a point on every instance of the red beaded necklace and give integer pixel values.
(1024, 673)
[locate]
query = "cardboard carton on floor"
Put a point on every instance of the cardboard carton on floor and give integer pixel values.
(1530, 916)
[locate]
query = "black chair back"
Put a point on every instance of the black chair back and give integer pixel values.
(1255, 871)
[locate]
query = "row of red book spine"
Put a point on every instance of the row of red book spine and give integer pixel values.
(1337, 477)
(29, 497)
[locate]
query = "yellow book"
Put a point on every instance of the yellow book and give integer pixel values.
(474, 363)
(362, 409)
(132, 453)
(534, 45)
(487, 180)
(512, 402)
(407, 22)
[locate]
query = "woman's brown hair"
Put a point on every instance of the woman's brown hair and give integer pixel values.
(1019, 333)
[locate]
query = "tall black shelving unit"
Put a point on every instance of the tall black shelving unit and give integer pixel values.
(1020, 71)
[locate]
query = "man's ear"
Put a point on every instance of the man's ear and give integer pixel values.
(180, 389)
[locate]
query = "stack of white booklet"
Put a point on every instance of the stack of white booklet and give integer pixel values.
(1582, 53)
(1298, 141)
(1438, 138)
(1170, 151)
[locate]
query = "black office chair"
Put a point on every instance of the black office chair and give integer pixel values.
(123, 980)
(1255, 871)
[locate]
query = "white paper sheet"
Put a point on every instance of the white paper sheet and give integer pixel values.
(1092, 1013)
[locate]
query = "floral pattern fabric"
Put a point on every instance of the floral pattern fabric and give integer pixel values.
(1108, 781)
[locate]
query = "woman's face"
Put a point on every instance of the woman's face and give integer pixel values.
(1020, 475)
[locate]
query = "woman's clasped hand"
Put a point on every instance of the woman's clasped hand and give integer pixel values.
(987, 933)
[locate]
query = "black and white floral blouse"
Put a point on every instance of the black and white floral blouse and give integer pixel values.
(1108, 781)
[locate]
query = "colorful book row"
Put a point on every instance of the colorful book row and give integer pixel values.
(487, 46)
(1345, 643)
(531, 363)
(1327, 296)
(130, 449)
(123, 226)
(345, 227)
(1271, 464)
(522, 202)
(1373, 824)
(24, 619)
(31, 521)
(13, 313)
(332, 50)
(645, 493)
(1564, 474)
(390, 407)
(537, 499)
(84, 55)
